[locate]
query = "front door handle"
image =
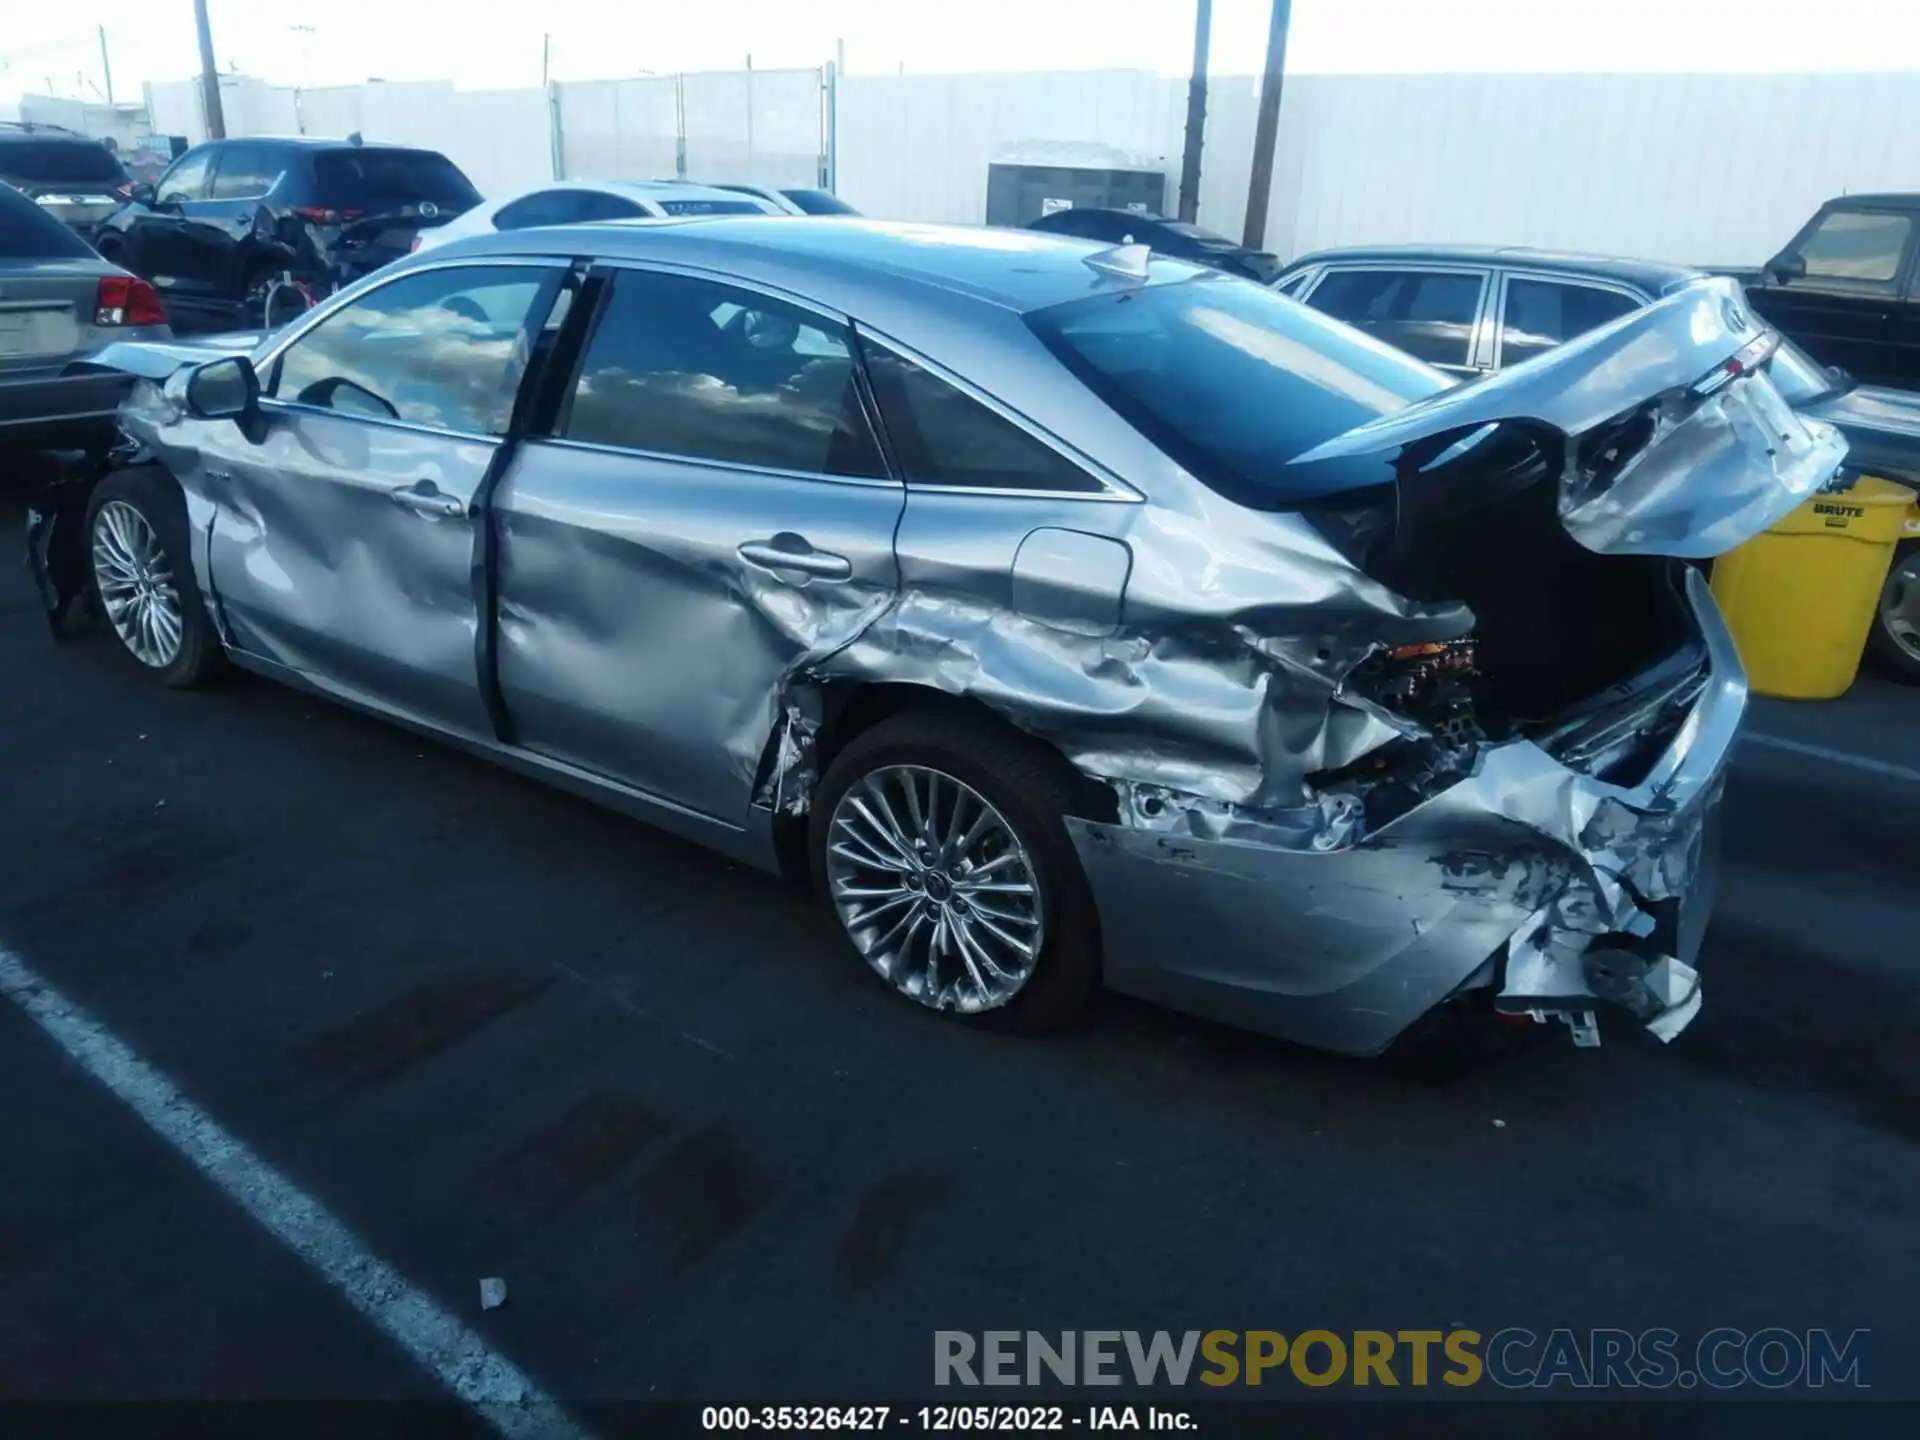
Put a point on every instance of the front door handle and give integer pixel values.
(423, 497)
(790, 552)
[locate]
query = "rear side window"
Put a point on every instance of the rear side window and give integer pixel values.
(704, 371)
(245, 172)
(1541, 314)
(599, 205)
(56, 160)
(440, 348)
(943, 436)
(384, 180)
(1229, 379)
(28, 233)
(1857, 245)
(1427, 313)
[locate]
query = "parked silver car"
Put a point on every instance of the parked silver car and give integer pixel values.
(1071, 615)
(59, 302)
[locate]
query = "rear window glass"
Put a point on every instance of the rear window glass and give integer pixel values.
(1230, 379)
(28, 233)
(57, 161)
(819, 202)
(711, 207)
(389, 179)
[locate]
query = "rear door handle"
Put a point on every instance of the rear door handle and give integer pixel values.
(426, 498)
(792, 552)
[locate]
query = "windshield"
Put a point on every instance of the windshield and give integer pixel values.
(29, 233)
(1798, 376)
(1231, 380)
(711, 207)
(60, 162)
(386, 180)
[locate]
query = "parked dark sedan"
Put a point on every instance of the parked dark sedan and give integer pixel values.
(1175, 238)
(1472, 310)
(73, 177)
(231, 217)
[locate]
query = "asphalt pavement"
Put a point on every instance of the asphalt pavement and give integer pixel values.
(496, 1032)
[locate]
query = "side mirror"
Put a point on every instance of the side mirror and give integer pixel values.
(1787, 266)
(141, 193)
(225, 389)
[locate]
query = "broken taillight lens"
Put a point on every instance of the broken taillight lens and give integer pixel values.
(127, 300)
(1750, 357)
(321, 215)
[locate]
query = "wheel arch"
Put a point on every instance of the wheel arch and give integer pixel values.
(821, 717)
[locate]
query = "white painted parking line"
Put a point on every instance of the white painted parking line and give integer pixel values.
(1834, 757)
(462, 1361)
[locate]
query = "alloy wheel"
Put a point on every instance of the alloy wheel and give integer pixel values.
(936, 888)
(136, 584)
(1900, 604)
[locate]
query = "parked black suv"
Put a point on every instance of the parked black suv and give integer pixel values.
(230, 217)
(71, 176)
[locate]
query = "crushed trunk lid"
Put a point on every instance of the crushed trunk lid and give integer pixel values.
(1663, 431)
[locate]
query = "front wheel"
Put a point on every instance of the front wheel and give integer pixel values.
(137, 556)
(1895, 639)
(939, 837)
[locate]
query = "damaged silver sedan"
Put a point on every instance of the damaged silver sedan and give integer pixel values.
(1071, 617)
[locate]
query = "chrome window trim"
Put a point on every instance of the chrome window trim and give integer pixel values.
(1306, 279)
(1113, 491)
(1552, 277)
(412, 427)
(630, 452)
(1476, 332)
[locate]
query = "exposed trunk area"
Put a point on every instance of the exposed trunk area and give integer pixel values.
(1557, 626)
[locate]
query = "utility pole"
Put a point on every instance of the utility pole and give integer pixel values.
(1196, 113)
(1266, 126)
(106, 65)
(209, 75)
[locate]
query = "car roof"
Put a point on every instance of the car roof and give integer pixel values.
(651, 189)
(1655, 276)
(22, 131)
(841, 261)
(1890, 199)
(317, 142)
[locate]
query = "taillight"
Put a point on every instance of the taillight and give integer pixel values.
(127, 300)
(413, 248)
(321, 215)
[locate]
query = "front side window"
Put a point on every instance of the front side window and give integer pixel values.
(1231, 380)
(441, 348)
(1857, 245)
(1427, 313)
(705, 371)
(187, 180)
(1541, 314)
(943, 436)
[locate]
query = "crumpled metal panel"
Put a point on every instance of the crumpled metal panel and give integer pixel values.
(1714, 474)
(1343, 939)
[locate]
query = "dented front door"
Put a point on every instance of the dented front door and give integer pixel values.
(344, 546)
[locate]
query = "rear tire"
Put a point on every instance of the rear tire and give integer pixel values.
(142, 577)
(998, 801)
(1894, 641)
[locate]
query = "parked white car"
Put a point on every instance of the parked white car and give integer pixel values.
(575, 202)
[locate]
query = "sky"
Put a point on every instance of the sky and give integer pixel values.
(320, 42)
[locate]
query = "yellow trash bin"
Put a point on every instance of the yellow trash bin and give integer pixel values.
(1801, 598)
